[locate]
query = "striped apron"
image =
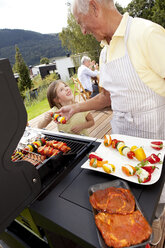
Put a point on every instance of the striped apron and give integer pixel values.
(137, 110)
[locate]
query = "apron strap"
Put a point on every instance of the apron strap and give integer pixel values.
(130, 19)
(103, 55)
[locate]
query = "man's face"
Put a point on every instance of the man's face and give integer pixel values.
(87, 63)
(90, 24)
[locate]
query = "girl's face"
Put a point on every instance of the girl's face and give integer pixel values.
(64, 94)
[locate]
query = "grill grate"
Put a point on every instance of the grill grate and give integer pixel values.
(52, 169)
(77, 146)
(32, 157)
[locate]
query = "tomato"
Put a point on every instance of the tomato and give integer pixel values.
(114, 143)
(131, 155)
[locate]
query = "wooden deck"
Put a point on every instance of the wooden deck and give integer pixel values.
(102, 126)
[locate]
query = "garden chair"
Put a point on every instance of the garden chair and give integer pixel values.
(79, 90)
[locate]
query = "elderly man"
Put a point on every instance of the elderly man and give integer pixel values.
(132, 69)
(85, 74)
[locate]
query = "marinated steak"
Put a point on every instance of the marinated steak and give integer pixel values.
(123, 230)
(113, 200)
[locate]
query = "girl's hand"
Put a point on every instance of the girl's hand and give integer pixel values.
(46, 120)
(76, 129)
(47, 116)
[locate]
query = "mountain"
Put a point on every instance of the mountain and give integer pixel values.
(32, 45)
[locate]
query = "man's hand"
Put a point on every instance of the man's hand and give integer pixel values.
(67, 111)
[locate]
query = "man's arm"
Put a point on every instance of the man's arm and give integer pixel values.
(91, 73)
(98, 102)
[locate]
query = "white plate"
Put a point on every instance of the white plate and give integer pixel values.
(114, 157)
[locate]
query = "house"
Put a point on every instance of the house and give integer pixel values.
(44, 69)
(65, 67)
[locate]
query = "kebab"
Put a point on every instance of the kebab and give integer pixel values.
(34, 145)
(97, 161)
(58, 145)
(61, 146)
(47, 151)
(58, 118)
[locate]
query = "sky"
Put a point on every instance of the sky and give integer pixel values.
(43, 16)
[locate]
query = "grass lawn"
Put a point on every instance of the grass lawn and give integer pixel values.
(37, 109)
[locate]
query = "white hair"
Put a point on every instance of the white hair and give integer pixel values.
(84, 59)
(82, 6)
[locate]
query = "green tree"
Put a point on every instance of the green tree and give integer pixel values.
(141, 8)
(120, 8)
(24, 81)
(158, 11)
(44, 60)
(75, 42)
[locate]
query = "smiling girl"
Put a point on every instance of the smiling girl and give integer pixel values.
(59, 94)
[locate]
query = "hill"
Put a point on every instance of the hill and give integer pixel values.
(32, 45)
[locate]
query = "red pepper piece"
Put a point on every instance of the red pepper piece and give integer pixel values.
(94, 155)
(147, 179)
(150, 169)
(143, 175)
(153, 159)
(157, 145)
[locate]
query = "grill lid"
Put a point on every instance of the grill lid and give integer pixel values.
(20, 183)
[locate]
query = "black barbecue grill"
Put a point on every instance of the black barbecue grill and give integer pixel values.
(22, 182)
(54, 168)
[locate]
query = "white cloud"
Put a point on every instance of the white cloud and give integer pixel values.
(44, 16)
(37, 15)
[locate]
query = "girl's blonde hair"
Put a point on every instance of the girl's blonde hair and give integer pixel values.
(52, 93)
